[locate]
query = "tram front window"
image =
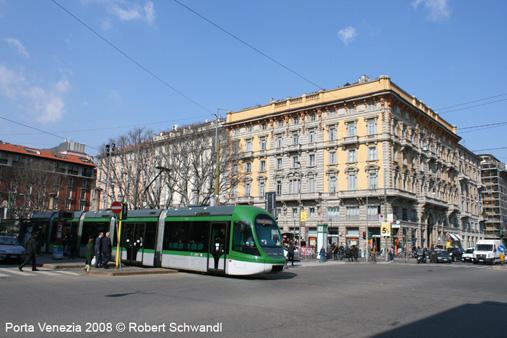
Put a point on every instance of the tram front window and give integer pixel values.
(268, 235)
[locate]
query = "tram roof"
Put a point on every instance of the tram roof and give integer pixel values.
(225, 210)
(44, 214)
(99, 214)
(137, 213)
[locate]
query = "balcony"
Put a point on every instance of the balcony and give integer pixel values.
(293, 147)
(350, 140)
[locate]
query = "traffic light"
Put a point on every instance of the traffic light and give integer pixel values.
(124, 211)
(364, 234)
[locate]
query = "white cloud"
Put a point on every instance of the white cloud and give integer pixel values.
(19, 47)
(347, 34)
(439, 10)
(127, 11)
(47, 105)
(114, 96)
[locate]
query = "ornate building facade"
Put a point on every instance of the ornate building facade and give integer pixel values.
(348, 157)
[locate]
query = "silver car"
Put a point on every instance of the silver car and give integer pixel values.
(10, 248)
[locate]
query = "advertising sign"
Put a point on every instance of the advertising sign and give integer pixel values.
(385, 230)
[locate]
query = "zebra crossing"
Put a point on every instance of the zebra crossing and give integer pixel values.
(27, 272)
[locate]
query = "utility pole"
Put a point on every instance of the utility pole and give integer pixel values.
(217, 169)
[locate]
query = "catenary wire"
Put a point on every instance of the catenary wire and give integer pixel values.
(248, 45)
(165, 83)
(463, 104)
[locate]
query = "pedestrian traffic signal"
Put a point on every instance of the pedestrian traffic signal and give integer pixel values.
(364, 234)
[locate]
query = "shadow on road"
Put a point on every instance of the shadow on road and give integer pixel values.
(471, 320)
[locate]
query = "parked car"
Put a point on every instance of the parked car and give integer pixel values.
(10, 248)
(468, 255)
(440, 256)
(456, 254)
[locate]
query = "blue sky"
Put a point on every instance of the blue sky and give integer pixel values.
(170, 66)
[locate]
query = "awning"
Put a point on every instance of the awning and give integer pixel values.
(459, 238)
(453, 236)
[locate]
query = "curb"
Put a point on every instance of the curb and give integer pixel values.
(130, 273)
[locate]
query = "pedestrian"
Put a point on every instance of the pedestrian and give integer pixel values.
(98, 250)
(106, 249)
(322, 254)
(31, 252)
(334, 248)
(373, 253)
(341, 250)
(355, 252)
(290, 251)
(391, 254)
(89, 254)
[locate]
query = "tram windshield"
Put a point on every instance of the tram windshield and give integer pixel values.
(268, 235)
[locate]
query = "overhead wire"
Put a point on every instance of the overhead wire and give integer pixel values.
(248, 44)
(165, 83)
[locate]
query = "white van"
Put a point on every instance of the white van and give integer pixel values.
(486, 251)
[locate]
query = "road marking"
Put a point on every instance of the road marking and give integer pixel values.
(67, 272)
(17, 272)
(51, 273)
(2, 275)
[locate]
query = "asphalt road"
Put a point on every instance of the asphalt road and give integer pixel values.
(314, 300)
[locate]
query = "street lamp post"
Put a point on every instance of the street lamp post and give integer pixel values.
(300, 206)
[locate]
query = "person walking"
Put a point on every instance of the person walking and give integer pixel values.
(322, 254)
(31, 252)
(98, 250)
(355, 252)
(89, 254)
(106, 249)
(290, 252)
(334, 249)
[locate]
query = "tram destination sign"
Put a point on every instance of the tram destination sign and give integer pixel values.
(116, 207)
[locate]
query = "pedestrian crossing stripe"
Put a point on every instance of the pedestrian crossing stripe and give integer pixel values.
(67, 272)
(17, 272)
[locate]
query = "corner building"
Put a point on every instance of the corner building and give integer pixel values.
(346, 155)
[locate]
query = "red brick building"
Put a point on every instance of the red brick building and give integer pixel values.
(39, 180)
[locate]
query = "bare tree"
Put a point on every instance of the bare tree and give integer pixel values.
(191, 157)
(34, 187)
(123, 171)
(178, 168)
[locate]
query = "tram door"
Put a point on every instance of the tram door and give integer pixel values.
(133, 242)
(217, 247)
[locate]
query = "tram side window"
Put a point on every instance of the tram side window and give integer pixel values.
(186, 236)
(91, 230)
(150, 235)
(242, 239)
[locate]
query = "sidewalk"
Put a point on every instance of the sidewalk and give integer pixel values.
(46, 261)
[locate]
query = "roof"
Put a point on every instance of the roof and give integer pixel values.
(47, 154)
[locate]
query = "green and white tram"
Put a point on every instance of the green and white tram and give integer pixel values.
(232, 240)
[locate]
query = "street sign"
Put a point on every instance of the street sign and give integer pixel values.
(501, 248)
(303, 216)
(385, 229)
(116, 207)
(381, 218)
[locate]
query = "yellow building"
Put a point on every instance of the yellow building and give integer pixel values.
(347, 155)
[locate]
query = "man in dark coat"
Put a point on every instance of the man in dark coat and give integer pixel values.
(106, 250)
(290, 252)
(31, 252)
(98, 250)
